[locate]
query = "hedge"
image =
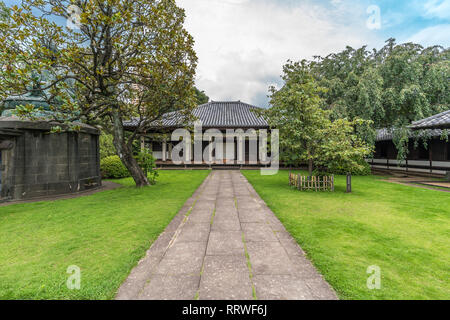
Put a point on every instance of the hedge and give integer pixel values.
(113, 168)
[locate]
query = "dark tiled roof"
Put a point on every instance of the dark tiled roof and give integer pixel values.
(384, 135)
(214, 114)
(438, 121)
(387, 134)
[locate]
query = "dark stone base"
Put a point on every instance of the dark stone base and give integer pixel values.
(23, 191)
(37, 163)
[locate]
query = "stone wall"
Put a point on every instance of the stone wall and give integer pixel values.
(45, 164)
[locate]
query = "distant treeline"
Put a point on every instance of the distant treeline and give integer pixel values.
(393, 86)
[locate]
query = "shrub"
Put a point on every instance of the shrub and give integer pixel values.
(107, 148)
(147, 162)
(113, 168)
(363, 169)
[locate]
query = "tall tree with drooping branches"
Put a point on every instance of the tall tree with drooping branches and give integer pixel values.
(393, 86)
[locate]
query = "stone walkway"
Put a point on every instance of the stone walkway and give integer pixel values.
(420, 182)
(225, 244)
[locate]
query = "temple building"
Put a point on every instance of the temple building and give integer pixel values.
(434, 158)
(224, 116)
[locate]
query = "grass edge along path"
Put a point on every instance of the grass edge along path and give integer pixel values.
(104, 234)
(402, 229)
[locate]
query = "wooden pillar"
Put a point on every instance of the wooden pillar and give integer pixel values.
(210, 151)
(187, 153)
(431, 156)
(170, 151)
(240, 149)
(142, 143)
(349, 183)
(447, 151)
(407, 155)
(164, 151)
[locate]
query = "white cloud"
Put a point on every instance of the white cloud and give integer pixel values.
(336, 2)
(436, 35)
(437, 8)
(243, 44)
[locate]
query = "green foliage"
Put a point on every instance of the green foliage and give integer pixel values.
(362, 168)
(393, 226)
(105, 234)
(392, 87)
(125, 59)
(201, 97)
(113, 168)
(395, 85)
(4, 12)
(307, 134)
(342, 150)
(107, 148)
(297, 114)
(147, 162)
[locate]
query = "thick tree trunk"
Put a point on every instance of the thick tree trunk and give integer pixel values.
(126, 153)
(310, 163)
(310, 167)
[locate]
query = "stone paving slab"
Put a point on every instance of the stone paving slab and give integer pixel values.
(320, 289)
(226, 225)
(182, 258)
(269, 258)
(169, 287)
(251, 216)
(225, 244)
(304, 268)
(204, 205)
(226, 214)
(225, 278)
(291, 247)
(248, 205)
(200, 216)
(142, 273)
(226, 204)
(255, 232)
(282, 287)
(195, 232)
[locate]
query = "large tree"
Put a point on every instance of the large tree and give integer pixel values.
(117, 59)
(201, 96)
(392, 87)
(3, 12)
(307, 132)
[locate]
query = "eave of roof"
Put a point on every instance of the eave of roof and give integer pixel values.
(438, 121)
(214, 114)
(388, 134)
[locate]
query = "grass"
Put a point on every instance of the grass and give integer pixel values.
(404, 230)
(104, 234)
(249, 266)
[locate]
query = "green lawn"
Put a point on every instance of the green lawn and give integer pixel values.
(104, 234)
(403, 230)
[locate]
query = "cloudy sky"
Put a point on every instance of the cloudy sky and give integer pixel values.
(243, 44)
